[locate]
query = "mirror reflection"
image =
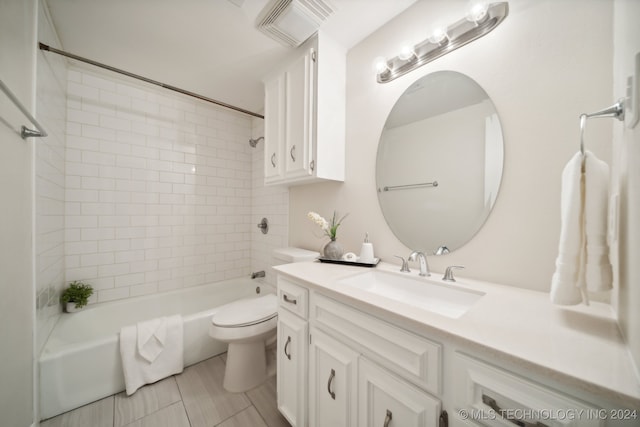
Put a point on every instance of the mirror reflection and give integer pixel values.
(439, 162)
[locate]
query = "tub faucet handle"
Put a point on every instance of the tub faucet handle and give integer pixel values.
(405, 264)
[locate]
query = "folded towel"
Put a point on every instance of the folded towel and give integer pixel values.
(163, 344)
(152, 335)
(583, 254)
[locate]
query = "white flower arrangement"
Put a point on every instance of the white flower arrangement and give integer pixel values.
(329, 228)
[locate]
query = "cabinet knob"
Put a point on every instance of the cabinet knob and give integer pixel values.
(331, 377)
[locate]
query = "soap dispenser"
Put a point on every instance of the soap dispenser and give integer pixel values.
(366, 252)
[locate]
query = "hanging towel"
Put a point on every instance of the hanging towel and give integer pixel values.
(151, 351)
(583, 253)
(151, 338)
(598, 272)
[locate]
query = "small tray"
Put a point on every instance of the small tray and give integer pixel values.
(356, 262)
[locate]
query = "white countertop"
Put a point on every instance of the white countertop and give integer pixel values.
(578, 345)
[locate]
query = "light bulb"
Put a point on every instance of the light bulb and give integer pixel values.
(438, 35)
(477, 11)
(406, 52)
(380, 65)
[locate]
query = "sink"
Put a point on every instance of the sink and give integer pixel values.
(423, 293)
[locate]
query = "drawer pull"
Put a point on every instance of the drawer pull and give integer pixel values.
(289, 300)
(292, 152)
(273, 160)
(388, 418)
(331, 377)
(491, 403)
(285, 348)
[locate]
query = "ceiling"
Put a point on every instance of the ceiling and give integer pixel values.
(210, 47)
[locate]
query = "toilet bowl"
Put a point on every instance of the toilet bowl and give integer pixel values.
(246, 325)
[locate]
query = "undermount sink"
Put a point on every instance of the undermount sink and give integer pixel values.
(423, 293)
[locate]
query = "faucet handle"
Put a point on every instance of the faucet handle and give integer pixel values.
(448, 274)
(405, 264)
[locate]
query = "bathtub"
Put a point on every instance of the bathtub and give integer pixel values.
(80, 362)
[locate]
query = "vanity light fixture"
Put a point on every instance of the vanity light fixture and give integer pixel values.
(481, 19)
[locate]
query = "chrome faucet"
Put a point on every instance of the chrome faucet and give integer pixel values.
(422, 258)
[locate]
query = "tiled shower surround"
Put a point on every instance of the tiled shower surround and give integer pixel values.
(158, 188)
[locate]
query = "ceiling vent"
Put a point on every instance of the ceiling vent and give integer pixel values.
(291, 22)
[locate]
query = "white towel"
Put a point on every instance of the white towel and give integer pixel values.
(583, 253)
(163, 344)
(152, 335)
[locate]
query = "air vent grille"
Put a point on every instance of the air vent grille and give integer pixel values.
(291, 22)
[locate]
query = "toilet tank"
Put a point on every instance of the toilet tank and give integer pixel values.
(288, 255)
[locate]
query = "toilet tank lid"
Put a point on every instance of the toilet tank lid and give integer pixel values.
(294, 254)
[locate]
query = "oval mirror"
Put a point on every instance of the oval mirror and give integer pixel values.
(439, 162)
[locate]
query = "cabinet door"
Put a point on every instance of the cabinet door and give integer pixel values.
(292, 367)
(385, 400)
(274, 133)
(332, 382)
(299, 112)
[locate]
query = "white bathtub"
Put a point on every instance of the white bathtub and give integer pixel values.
(80, 362)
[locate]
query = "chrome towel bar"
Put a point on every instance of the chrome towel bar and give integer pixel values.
(25, 132)
(408, 186)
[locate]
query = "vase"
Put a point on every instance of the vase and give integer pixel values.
(70, 307)
(333, 250)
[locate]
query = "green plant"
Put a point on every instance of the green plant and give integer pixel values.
(77, 292)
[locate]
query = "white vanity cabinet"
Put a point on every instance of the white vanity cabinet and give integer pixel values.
(292, 357)
(305, 116)
(333, 373)
(372, 364)
(362, 371)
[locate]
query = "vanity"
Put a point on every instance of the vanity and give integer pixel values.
(353, 353)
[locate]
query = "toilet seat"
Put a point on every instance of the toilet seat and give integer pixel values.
(246, 312)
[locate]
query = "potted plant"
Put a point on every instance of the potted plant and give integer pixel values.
(76, 296)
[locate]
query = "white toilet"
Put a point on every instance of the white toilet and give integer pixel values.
(248, 325)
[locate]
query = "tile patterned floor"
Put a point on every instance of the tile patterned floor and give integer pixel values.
(194, 398)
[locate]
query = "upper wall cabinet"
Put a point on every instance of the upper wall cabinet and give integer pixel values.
(305, 116)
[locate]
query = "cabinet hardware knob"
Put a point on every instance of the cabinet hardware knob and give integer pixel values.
(388, 418)
(273, 160)
(292, 152)
(286, 346)
(331, 377)
(491, 403)
(289, 300)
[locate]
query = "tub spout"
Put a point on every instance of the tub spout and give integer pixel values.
(257, 274)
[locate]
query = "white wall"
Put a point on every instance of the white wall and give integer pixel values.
(626, 178)
(17, 297)
(547, 63)
(51, 90)
(158, 188)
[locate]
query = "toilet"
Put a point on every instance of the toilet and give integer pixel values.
(248, 325)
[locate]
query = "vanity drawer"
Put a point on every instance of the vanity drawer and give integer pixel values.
(495, 397)
(293, 297)
(410, 356)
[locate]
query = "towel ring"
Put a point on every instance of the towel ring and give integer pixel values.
(616, 111)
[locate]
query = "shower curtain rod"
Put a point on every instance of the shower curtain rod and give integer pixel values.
(43, 46)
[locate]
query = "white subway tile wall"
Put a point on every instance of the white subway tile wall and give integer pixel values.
(49, 164)
(158, 188)
(267, 202)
